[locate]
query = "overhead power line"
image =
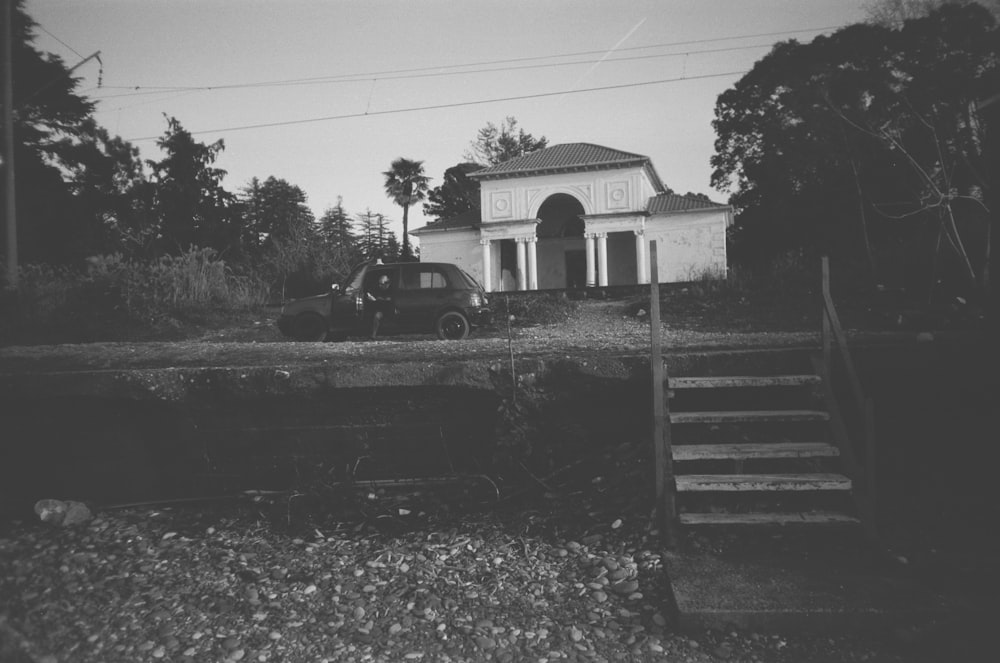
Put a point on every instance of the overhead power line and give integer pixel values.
(413, 109)
(42, 28)
(445, 70)
(434, 74)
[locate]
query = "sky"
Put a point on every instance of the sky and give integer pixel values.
(327, 93)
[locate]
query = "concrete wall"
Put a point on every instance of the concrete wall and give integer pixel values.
(689, 245)
(460, 247)
(607, 192)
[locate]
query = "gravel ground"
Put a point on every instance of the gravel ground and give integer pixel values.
(230, 583)
(571, 574)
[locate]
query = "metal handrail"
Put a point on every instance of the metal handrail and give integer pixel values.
(834, 331)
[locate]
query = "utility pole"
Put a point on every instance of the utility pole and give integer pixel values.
(10, 218)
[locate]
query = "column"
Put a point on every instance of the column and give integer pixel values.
(532, 263)
(487, 265)
(591, 271)
(602, 259)
(640, 257)
(522, 267)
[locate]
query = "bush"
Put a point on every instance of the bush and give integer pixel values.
(112, 297)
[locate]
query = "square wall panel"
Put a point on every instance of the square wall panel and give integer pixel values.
(501, 205)
(618, 195)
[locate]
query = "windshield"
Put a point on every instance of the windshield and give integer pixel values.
(353, 281)
(471, 279)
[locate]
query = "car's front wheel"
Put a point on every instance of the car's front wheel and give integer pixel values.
(310, 327)
(452, 326)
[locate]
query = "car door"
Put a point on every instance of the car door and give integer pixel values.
(423, 292)
(390, 322)
(348, 302)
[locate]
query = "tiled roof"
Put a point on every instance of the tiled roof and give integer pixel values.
(568, 156)
(470, 219)
(671, 202)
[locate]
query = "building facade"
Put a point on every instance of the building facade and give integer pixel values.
(579, 215)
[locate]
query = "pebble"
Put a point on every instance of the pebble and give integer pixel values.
(484, 642)
(600, 596)
(159, 652)
(274, 635)
(723, 651)
(309, 589)
(626, 587)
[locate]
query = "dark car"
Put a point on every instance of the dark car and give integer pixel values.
(436, 297)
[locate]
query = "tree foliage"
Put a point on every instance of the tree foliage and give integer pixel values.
(894, 13)
(52, 128)
(863, 141)
(192, 207)
(406, 184)
(272, 210)
(457, 193)
(496, 144)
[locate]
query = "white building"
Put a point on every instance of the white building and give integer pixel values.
(579, 215)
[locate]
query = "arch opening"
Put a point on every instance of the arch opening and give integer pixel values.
(562, 261)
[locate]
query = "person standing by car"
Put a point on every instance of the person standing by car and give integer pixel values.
(380, 303)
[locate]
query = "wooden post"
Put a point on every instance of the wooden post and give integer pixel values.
(10, 208)
(870, 472)
(662, 454)
(827, 341)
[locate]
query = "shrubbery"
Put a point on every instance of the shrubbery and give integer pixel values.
(112, 297)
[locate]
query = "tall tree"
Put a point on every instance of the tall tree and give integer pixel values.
(894, 13)
(496, 144)
(871, 123)
(272, 209)
(405, 185)
(51, 120)
(112, 193)
(457, 193)
(336, 228)
(193, 207)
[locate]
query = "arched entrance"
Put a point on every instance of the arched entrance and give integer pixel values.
(562, 261)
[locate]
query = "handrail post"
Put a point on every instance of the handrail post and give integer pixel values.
(870, 458)
(662, 455)
(833, 333)
(827, 340)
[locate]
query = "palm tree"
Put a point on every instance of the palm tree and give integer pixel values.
(406, 184)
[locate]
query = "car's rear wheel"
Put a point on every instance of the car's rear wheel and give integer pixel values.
(452, 326)
(310, 327)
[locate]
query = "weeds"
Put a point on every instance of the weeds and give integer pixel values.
(112, 297)
(537, 308)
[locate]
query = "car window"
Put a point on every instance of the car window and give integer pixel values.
(373, 276)
(423, 277)
(470, 279)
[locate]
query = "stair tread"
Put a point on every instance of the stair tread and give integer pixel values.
(724, 416)
(761, 482)
(727, 381)
(760, 518)
(747, 450)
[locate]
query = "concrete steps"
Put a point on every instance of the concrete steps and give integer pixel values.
(755, 450)
(757, 519)
(747, 451)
